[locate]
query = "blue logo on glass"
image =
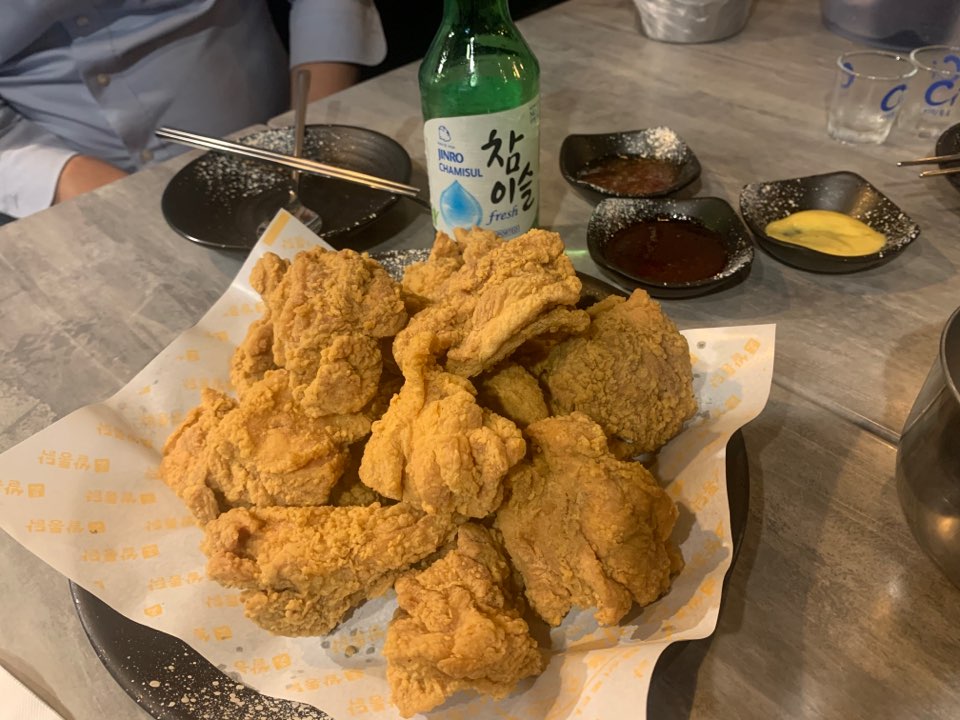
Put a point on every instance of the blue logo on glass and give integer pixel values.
(443, 133)
(459, 208)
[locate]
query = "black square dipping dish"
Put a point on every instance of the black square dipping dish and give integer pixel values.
(654, 162)
(670, 248)
(844, 192)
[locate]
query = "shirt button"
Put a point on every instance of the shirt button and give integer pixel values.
(82, 21)
(103, 79)
(146, 155)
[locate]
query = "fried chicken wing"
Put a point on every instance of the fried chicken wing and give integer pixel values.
(513, 392)
(303, 569)
(436, 448)
(585, 529)
(495, 302)
(458, 628)
(630, 372)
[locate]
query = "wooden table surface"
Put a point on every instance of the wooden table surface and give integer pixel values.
(831, 610)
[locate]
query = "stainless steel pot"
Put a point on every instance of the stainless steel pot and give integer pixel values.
(928, 459)
(692, 21)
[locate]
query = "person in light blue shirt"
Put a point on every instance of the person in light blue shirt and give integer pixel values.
(84, 84)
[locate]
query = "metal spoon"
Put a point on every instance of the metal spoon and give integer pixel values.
(301, 212)
(313, 221)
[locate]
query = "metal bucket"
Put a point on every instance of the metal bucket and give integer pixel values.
(928, 458)
(692, 21)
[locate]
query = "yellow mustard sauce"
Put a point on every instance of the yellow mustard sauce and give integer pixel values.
(828, 232)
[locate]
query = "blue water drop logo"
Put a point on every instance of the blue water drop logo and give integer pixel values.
(459, 208)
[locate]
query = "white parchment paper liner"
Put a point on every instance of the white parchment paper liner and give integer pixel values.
(84, 496)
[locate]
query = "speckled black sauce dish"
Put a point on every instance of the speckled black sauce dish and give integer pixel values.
(660, 143)
(845, 192)
(949, 144)
(613, 215)
(221, 201)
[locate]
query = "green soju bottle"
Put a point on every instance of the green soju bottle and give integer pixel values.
(480, 92)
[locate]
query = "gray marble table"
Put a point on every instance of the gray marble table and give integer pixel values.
(831, 610)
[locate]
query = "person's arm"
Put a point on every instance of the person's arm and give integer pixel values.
(332, 38)
(326, 78)
(83, 173)
(38, 169)
(31, 160)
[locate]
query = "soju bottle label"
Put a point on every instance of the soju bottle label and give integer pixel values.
(484, 170)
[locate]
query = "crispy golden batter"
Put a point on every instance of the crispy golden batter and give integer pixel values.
(186, 464)
(436, 448)
(303, 569)
(253, 356)
(585, 529)
(267, 452)
(490, 305)
(630, 372)
(325, 312)
(458, 628)
(513, 392)
(425, 283)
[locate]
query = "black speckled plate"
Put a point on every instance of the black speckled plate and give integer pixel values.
(579, 151)
(715, 214)
(949, 144)
(845, 192)
(222, 201)
(171, 681)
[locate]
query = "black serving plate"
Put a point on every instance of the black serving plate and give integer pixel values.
(845, 192)
(949, 144)
(578, 151)
(222, 201)
(713, 213)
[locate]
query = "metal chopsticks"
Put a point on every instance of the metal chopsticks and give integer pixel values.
(933, 160)
(308, 166)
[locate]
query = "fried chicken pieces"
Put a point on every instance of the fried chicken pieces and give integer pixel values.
(585, 529)
(630, 371)
(307, 376)
(302, 569)
(499, 296)
(459, 627)
(436, 447)
(497, 400)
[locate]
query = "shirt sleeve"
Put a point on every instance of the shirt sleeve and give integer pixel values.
(336, 31)
(30, 163)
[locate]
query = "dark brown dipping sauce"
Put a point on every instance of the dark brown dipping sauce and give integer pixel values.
(631, 175)
(667, 251)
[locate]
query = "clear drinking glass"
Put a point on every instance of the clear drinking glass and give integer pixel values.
(868, 92)
(933, 91)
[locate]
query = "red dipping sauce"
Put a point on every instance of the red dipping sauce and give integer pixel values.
(667, 251)
(631, 176)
